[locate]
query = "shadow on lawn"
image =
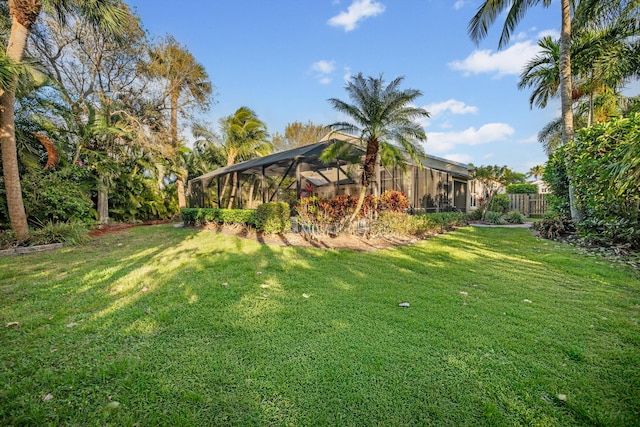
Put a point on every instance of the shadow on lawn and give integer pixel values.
(203, 328)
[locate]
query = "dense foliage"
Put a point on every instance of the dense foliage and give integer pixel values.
(606, 171)
(522, 189)
(604, 168)
(202, 216)
(273, 217)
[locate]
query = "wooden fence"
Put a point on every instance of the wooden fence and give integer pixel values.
(530, 205)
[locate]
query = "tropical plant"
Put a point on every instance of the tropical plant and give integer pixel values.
(487, 14)
(244, 136)
(536, 171)
(186, 85)
(109, 16)
(385, 122)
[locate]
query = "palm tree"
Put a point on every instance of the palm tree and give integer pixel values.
(536, 171)
(187, 83)
(109, 16)
(384, 119)
(244, 136)
(486, 15)
(542, 73)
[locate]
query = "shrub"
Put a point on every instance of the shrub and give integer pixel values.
(58, 195)
(397, 223)
(500, 203)
(273, 217)
(320, 215)
(394, 201)
(522, 189)
(73, 233)
(7, 239)
(514, 217)
(493, 217)
(552, 227)
(475, 215)
(201, 216)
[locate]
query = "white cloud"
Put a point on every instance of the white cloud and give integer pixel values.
(452, 105)
(488, 156)
(323, 66)
(347, 74)
(322, 71)
(359, 10)
(508, 61)
(459, 4)
(459, 157)
(439, 142)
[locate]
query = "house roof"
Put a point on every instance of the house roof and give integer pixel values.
(279, 163)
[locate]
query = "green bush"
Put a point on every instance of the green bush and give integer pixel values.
(475, 215)
(58, 195)
(73, 233)
(500, 203)
(514, 217)
(492, 217)
(522, 189)
(391, 223)
(273, 217)
(7, 239)
(201, 216)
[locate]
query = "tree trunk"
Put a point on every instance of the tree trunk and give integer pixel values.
(182, 200)
(566, 99)
(17, 214)
(368, 171)
(103, 200)
(234, 188)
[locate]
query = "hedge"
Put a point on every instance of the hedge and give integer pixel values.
(273, 217)
(200, 216)
(522, 189)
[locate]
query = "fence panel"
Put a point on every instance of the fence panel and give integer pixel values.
(530, 205)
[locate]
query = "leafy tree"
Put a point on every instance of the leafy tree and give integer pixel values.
(384, 120)
(109, 16)
(92, 74)
(297, 134)
(493, 178)
(186, 85)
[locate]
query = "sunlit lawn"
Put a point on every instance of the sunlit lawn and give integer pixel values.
(503, 329)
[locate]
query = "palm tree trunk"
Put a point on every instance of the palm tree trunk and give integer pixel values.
(368, 171)
(103, 200)
(565, 95)
(15, 204)
(223, 193)
(182, 200)
(233, 191)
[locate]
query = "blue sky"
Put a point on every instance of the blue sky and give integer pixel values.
(285, 58)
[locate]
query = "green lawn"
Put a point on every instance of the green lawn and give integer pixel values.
(501, 328)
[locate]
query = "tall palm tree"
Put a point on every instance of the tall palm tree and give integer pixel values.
(187, 84)
(110, 16)
(244, 136)
(542, 73)
(384, 119)
(536, 171)
(486, 15)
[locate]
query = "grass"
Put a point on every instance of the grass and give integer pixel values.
(501, 326)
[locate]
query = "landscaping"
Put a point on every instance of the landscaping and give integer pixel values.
(160, 325)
